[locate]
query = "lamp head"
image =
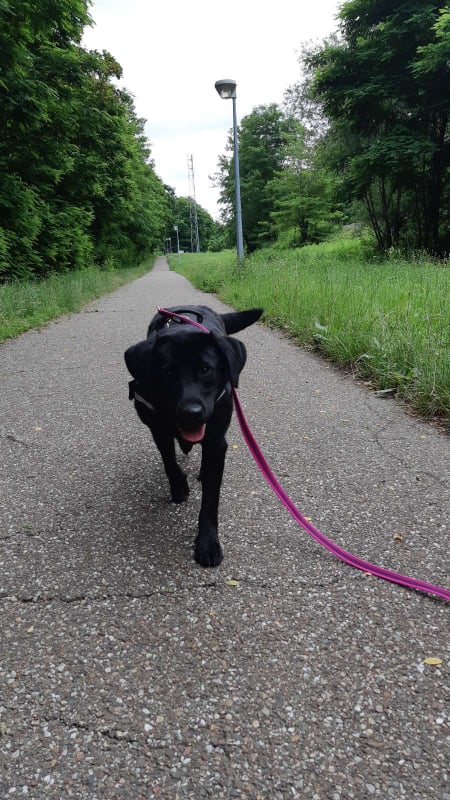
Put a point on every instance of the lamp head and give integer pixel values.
(226, 88)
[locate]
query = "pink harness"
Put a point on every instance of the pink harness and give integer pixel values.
(339, 552)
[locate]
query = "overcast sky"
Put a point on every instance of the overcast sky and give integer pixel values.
(173, 51)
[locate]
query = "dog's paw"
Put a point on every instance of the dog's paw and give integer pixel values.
(179, 490)
(208, 552)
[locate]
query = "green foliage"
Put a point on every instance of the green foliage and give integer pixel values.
(288, 191)
(208, 229)
(208, 271)
(387, 319)
(364, 135)
(219, 239)
(381, 86)
(262, 136)
(77, 184)
(304, 193)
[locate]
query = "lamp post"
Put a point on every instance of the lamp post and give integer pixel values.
(227, 91)
(175, 227)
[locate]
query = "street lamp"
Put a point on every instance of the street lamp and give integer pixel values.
(175, 227)
(227, 91)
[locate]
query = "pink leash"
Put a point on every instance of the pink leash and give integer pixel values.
(339, 552)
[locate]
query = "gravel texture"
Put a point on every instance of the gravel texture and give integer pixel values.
(127, 671)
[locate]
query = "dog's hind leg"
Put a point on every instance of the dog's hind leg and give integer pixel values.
(165, 443)
(208, 552)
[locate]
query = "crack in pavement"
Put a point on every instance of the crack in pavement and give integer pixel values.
(114, 734)
(103, 597)
(11, 437)
(383, 429)
(38, 598)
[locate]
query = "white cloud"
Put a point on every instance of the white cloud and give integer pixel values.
(173, 52)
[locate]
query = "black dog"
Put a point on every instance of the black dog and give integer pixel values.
(182, 390)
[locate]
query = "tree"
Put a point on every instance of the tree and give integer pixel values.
(381, 87)
(304, 192)
(180, 214)
(34, 44)
(262, 135)
(182, 218)
(432, 71)
(77, 183)
(299, 103)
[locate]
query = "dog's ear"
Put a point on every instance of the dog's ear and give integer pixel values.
(235, 355)
(138, 357)
(238, 320)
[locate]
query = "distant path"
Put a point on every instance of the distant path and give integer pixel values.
(126, 670)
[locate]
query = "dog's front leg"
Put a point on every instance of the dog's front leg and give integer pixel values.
(208, 551)
(165, 443)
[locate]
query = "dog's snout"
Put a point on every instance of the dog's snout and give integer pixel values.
(193, 408)
(191, 411)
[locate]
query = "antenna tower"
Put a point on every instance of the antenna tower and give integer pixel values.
(195, 242)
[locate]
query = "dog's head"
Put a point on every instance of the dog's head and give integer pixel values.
(182, 372)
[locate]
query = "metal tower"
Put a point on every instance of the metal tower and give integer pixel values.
(195, 242)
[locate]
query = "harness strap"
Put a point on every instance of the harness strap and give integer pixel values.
(144, 402)
(181, 318)
(133, 394)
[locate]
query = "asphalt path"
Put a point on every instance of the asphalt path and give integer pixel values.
(128, 671)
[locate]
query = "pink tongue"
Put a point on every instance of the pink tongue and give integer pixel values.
(194, 436)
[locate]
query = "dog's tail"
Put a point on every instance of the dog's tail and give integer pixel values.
(238, 320)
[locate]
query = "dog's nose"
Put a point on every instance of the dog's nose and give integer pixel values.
(193, 408)
(191, 411)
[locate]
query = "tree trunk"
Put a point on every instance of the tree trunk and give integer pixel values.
(387, 222)
(368, 199)
(437, 185)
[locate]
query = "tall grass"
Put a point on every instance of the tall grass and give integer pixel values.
(29, 304)
(389, 320)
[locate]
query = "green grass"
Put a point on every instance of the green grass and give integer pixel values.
(387, 320)
(30, 304)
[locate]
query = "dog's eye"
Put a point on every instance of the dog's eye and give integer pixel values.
(205, 369)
